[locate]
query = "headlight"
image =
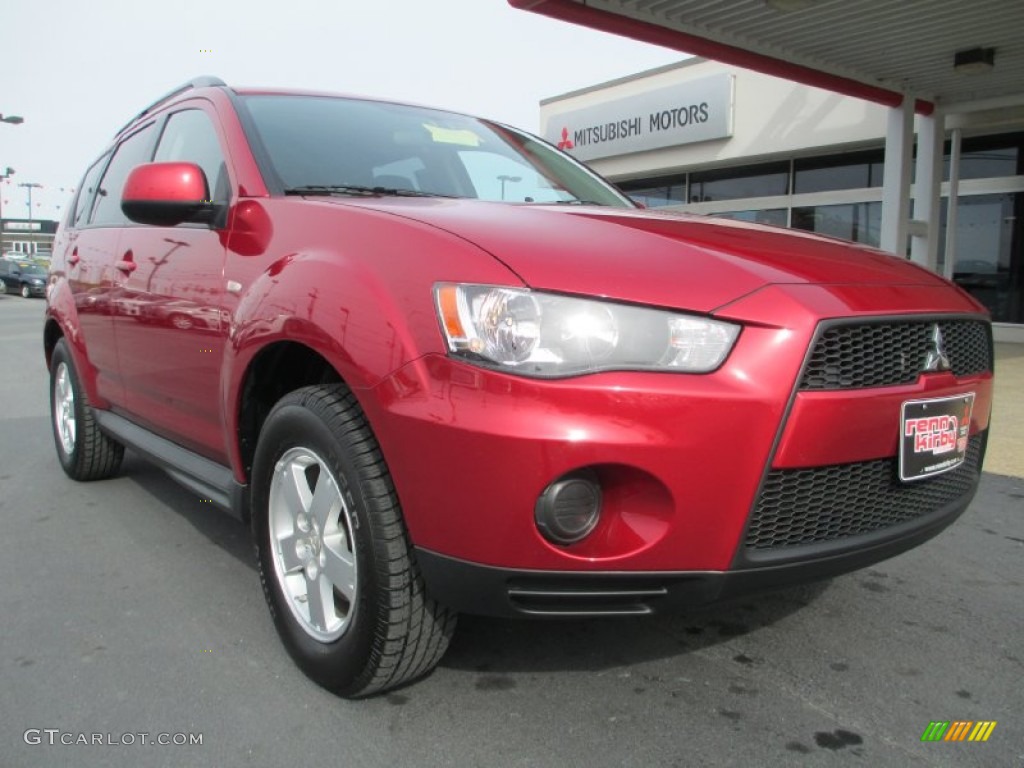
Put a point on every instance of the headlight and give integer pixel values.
(543, 334)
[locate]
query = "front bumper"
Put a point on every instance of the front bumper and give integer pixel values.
(507, 592)
(683, 461)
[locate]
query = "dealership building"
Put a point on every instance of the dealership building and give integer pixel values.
(710, 138)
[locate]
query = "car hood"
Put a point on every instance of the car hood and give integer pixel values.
(672, 260)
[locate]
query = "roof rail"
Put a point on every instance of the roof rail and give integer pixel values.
(205, 81)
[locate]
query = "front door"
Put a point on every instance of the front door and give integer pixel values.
(168, 319)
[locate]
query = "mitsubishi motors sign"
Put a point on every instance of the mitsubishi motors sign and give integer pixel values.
(698, 110)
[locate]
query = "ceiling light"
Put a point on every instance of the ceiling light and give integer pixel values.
(974, 61)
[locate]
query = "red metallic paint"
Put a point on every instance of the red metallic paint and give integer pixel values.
(665, 260)
(166, 182)
(840, 427)
(680, 456)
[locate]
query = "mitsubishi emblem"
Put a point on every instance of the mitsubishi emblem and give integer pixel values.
(936, 359)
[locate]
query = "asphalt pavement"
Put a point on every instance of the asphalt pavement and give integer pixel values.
(129, 607)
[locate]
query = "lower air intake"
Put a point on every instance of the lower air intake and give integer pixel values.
(822, 504)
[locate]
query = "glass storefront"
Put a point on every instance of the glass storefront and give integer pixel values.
(856, 170)
(654, 195)
(737, 184)
(860, 222)
(774, 216)
(989, 260)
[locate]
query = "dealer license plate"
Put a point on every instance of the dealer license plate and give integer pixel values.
(933, 435)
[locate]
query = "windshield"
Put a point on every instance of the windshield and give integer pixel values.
(32, 269)
(322, 145)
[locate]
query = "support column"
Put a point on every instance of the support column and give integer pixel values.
(924, 229)
(952, 203)
(899, 144)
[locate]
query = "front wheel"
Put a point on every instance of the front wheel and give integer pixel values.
(25, 292)
(336, 565)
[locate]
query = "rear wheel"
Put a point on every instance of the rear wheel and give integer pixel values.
(84, 452)
(336, 565)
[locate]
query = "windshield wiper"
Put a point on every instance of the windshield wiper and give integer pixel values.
(355, 189)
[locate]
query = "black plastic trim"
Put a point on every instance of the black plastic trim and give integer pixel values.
(199, 474)
(928, 317)
(510, 593)
(935, 521)
(204, 81)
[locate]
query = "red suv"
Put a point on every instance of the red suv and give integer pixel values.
(442, 366)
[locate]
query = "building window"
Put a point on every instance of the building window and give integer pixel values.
(860, 222)
(774, 216)
(655, 193)
(989, 157)
(852, 171)
(989, 254)
(735, 184)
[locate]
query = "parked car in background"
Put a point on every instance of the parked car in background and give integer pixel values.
(24, 277)
(441, 367)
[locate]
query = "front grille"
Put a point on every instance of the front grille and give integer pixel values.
(890, 353)
(805, 506)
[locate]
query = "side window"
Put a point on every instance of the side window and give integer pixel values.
(190, 137)
(85, 193)
(131, 152)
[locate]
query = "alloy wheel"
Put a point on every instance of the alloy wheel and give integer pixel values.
(312, 545)
(64, 409)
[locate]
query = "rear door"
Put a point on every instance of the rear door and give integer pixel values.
(169, 318)
(90, 253)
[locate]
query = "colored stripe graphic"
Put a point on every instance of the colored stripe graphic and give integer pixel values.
(958, 730)
(982, 730)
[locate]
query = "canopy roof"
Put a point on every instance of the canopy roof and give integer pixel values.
(879, 50)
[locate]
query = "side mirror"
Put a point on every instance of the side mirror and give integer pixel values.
(165, 194)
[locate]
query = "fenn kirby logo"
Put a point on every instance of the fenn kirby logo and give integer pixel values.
(958, 730)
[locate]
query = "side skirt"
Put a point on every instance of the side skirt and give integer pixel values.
(204, 477)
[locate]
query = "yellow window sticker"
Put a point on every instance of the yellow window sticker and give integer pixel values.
(462, 136)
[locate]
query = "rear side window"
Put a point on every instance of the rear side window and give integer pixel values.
(190, 137)
(86, 190)
(132, 152)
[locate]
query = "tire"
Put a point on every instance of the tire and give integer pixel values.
(84, 452)
(181, 322)
(325, 514)
(25, 292)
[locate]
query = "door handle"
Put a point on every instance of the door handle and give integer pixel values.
(74, 258)
(127, 263)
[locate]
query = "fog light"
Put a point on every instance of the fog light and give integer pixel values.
(569, 508)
